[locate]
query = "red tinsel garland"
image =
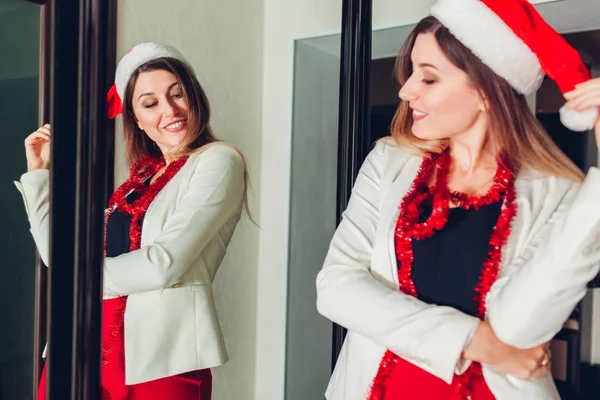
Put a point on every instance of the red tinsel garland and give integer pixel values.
(139, 173)
(408, 228)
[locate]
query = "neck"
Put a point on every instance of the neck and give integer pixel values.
(469, 151)
(169, 158)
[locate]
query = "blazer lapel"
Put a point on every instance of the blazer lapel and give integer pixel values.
(400, 181)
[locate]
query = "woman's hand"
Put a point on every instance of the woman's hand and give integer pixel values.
(487, 349)
(586, 95)
(37, 149)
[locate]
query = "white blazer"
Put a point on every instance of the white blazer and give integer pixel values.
(171, 324)
(552, 252)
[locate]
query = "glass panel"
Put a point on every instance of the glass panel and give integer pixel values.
(19, 46)
(312, 212)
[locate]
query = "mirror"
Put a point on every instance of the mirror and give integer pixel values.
(222, 42)
(19, 78)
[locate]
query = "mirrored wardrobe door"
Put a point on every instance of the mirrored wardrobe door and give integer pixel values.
(19, 109)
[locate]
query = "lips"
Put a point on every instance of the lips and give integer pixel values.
(418, 115)
(176, 126)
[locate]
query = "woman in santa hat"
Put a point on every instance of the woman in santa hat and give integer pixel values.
(166, 230)
(469, 237)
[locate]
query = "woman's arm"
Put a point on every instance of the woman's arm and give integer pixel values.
(531, 306)
(431, 337)
(35, 189)
(215, 194)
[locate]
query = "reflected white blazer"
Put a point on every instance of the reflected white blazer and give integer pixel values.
(171, 324)
(552, 253)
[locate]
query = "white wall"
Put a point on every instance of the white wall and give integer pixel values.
(223, 40)
(286, 21)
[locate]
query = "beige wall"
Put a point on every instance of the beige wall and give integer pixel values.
(223, 40)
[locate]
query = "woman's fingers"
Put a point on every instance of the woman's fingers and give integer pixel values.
(36, 137)
(592, 85)
(585, 101)
(44, 129)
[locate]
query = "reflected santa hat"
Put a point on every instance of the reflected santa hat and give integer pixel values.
(512, 38)
(135, 58)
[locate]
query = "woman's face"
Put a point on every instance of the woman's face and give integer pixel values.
(442, 101)
(160, 109)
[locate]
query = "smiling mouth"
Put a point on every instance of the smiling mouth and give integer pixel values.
(176, 126)
(417, 115)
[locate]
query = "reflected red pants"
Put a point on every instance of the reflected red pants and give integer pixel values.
(196, 385)
(409, 382)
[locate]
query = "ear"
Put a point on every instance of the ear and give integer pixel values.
(484, 105)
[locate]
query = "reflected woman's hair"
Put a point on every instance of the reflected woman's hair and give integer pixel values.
(137, 144)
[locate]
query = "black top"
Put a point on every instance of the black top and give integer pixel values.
(117, 229)
(447, 267)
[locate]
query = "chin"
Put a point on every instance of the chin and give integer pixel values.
(428, 134)
(425, 135)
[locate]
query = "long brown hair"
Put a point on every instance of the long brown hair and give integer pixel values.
(515, 134)
(199, 136)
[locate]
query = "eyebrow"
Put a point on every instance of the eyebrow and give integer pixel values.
(152, 93)
(424, 65)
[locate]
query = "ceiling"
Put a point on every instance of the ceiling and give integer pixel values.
(566, 16)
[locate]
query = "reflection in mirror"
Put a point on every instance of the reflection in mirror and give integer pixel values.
(207, 324)
(190, 206)
(19, 46)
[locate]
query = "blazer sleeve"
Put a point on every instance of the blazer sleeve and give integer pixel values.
(430, 336)
(215, 194)
(35, 189)
(530, 306)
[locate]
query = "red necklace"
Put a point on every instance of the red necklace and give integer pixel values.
(408, 228)
(139, 173)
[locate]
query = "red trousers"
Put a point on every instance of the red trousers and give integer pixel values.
(196, 385)
(409, 382)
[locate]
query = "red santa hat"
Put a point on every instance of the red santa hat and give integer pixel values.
(512, 38)
(136, 57)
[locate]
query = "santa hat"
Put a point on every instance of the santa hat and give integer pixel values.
(512, 38)
(136, 57)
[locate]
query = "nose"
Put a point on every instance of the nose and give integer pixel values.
(407, 91)
(171, 108)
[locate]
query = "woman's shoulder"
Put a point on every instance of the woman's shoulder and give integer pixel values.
(221, 152)
(387, 151)
(538, 184)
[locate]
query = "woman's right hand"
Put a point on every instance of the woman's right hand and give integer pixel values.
(37, 149)
(486, 348)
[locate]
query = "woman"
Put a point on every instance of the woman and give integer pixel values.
(472, 212)
(166, 232)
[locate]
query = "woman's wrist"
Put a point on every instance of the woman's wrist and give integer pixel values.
(485, 347)
(35, 167)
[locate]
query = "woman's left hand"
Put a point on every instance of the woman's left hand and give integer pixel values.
(586, 95)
